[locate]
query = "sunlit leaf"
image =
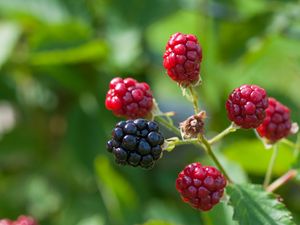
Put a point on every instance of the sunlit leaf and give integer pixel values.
(91, 51)
(253, 205)
(49, 11)
(158, 222)
(9, 34)
(220, 214)
(93, 220)
(111, 180)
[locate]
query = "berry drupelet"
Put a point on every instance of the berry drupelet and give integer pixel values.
(136, 143)
(25, 220)
(182, 59)
(129, 98)
(22, 220)
(277, 123)
(246, 106)
(200, 186)
(6, 222)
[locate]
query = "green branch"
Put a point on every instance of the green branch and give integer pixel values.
(270, 167)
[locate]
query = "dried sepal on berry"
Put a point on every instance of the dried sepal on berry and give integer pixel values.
(193, 126)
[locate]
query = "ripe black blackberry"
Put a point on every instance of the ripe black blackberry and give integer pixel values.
(136, 143)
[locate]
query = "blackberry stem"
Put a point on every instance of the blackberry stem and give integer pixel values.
(270, 167)
(205, 144)
(168, 125)
(200, 141)
(228, 130)
(194, 100)
(288, 142)
(186, 141)
(282, 180)
(297, 147)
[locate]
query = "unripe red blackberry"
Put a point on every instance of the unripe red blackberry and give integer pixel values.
(136, 143)
(6, 222)
(246, 106)
(129, 98)
(200, 186)
(25, 220)
(182, 59)
(277, 123)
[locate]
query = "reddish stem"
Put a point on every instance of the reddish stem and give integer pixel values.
(282, 180)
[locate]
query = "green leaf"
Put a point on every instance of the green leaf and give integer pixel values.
(9, 34)
(298, 175)
(157, 222)
(114, 183)
(93, 50)
(220, 214)
(253, 205)
(46, 11)
(92, 220)
(159, 33)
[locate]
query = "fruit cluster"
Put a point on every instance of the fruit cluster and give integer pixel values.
(22, 220)
(138, 142)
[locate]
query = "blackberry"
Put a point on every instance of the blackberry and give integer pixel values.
(277, 123)
(200, 186)
(5, 222)
(246, 106)
(136, 143)
(25, 220)
(182, 59)
(129, 98)
(22, 220)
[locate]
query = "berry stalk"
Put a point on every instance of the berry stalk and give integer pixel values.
(194, 100)
(288, 142)
(282, 180)
(232, 128)
(178, 142)
(208, 149)
(168, 125)
(297, 147)
(200, 141)
(271, 165)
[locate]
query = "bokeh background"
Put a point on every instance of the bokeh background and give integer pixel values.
(56, 60)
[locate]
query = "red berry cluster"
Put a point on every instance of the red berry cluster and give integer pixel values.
(182, 59)
(246, 106)
(277, 123)
(129, 98)
(22, 220)
(200, 186)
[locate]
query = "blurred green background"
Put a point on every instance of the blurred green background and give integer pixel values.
(56, 60)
